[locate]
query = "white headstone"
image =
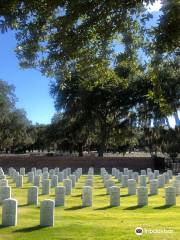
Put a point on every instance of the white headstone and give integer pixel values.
(114, 196)
(124, 180)
(142, 180)
(45, 186)
(9, 212)
(142, 196)
(59, 196)
(176, 184)
(3, 183)
(5, 192)
(154, 187)
(37, 180)
(22, 171)
(87, 196)
(60, 177)
(19, 181)
(73, 179)
(47, 213)
(68, 186)
(170, 196)
(131, 187)
(109, 184)
(54, 181)
(33, 195)
(31, 177)
(161, 181)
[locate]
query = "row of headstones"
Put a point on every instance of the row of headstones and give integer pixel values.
(128, 178)
(60, 191)
(9, 207)
(9, 212)
(141, 191)
(36, 176)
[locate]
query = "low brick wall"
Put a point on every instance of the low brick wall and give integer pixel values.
(135, 163)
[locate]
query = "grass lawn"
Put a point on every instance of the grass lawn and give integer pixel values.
(97, 223)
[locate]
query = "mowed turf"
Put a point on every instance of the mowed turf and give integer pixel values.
(99, 222)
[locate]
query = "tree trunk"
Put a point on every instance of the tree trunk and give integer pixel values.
(80, 149)
(103, 140)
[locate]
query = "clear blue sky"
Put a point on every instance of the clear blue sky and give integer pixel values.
(32, 89)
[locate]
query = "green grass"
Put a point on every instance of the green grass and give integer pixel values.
(97, 223)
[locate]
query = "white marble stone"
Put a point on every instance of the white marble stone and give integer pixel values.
(68, 186)
(143, 172)
(60, 196)
(135, 176)
(9, 212)
(91, 171)
(114, 196)
(154, 187)
(124, 181)
(46, 187)
(130, 173)
(131, 187)
(150, 176)
(87, 196)
(142, 196)
(37, 180)
(142, 180)
(45, 175)
(161, 181)
(119, 177)
(3, 183)
(113, 171)
(60, 177)
(47, 212)
(73, 179)
(31, 177)
(39, 172)
(5, 192)
(170, 172)
(125, 170)
(89, 182)
(176, 184)
(54, 181)
(19, 181)
(170, 196)
(45, 169)
(33, 195)
(109, 184)
(56, 171)
(166, 177)
(22, 171)
(156, 173)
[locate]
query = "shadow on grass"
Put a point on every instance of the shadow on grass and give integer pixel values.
(1, 226)
(125, 195)
(78, 195)
(74, 208)
(101, 195)
(24, 205)
(104, 208)
(163, 207)
(30, 229)
(133, 207)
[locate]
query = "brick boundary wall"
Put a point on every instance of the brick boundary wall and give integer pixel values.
(135, 163)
